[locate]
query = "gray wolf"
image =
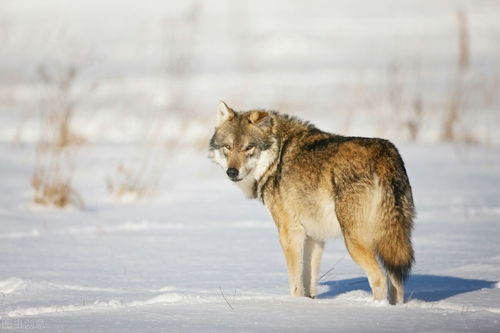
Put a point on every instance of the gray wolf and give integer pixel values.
(318, 185)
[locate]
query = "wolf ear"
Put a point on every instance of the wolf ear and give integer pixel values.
(261, 119)
(224, 113)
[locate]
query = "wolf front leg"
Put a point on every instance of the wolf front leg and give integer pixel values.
(292, 239)
(292, 242)
(313, 250)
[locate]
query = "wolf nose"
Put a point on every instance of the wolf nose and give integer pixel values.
(232, 172)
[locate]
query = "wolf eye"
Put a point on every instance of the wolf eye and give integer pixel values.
(249, 147)
(228, 147)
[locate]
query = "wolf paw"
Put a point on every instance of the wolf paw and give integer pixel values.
(297, 292)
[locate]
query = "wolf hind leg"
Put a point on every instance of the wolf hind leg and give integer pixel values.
(396, 290)
(366, 258)
(313, 250)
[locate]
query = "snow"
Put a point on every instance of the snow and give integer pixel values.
(195, 255)
(200, 257)
(11, 285)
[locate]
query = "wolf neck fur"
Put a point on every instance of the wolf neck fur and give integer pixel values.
(267, 167)
(284, 131)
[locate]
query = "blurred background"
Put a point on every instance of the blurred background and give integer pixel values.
(120, 70)
(148, 76)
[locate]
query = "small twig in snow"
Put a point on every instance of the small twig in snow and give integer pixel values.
(331, 269)
(411, 296)
(223, 296)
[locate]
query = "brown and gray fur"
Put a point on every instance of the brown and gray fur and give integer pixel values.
(318, 185)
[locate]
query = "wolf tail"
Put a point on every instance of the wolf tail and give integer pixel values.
(395, 251)
(394, 248)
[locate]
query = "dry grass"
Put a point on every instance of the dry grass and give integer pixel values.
(414, 123)
(52, 175)
(406, 102)
(455, 107)
(139, 177)
(128, 182)
(53, 191)
(51, 181)
(58, 106)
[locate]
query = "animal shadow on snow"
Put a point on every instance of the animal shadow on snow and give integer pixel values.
(429, 288)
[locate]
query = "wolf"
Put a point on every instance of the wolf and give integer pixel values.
(317, 186)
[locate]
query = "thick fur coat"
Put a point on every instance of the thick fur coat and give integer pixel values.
(319, 185)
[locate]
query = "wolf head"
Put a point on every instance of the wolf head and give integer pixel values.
(243, 143)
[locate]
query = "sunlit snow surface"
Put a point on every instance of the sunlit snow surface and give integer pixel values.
(200, 257)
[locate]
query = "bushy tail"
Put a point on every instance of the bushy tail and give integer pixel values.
(395, 252)
(394, 249)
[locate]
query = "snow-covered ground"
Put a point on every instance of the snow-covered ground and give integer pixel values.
(196, 256)
(199, 257)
